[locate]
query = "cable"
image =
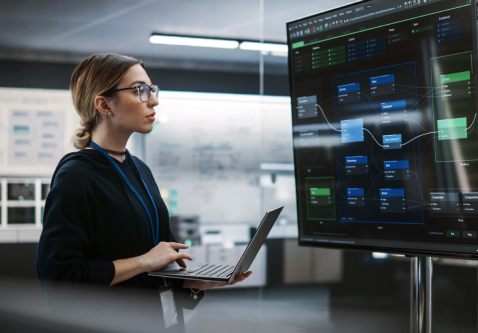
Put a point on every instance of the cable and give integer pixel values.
(472, 123)
(373, 137)
(418, 137)
(341, 130)
(327, 119)
(376, 139)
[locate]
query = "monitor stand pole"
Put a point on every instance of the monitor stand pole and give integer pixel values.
(421, 294)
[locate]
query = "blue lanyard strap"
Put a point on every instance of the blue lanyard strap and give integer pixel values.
(151, 198)
(155, 233)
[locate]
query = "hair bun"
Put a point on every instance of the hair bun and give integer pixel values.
(82, 137)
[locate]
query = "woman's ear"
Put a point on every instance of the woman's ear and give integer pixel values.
(103, 105)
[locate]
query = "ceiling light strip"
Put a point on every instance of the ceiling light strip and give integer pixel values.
(193, 41)
(276, 49)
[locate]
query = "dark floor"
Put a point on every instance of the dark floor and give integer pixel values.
(311, 308)
(315, 309)
(373, 297)
(292, 309)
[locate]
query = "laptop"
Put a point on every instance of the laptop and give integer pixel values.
(224, 273)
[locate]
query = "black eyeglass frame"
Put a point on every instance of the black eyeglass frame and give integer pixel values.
(151, 88)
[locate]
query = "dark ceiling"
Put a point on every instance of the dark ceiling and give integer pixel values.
(64, 30)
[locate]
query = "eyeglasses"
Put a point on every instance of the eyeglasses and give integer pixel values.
(144, 91)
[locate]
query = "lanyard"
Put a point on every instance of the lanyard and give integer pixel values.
(155, 233)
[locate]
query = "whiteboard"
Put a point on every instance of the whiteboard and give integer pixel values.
(36, 126)
(206, 152)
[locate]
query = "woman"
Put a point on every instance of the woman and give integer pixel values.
(105, 222)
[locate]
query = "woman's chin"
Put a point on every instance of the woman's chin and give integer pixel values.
(145, 129)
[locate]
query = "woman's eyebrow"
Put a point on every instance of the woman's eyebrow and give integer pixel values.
(140, 82)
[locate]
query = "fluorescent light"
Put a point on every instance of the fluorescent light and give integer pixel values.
(192, 41)
(268, 47)
(379, 255)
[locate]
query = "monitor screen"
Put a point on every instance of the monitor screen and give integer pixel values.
(385, 128)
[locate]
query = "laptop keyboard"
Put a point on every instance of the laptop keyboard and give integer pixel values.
(210, 270)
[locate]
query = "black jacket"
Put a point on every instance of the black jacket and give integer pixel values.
(92, 218)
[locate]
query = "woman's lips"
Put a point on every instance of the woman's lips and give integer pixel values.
(151, 116)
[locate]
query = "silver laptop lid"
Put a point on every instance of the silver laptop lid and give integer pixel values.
(256, 243)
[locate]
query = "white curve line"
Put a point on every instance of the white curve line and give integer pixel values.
(373, 137)
(472, 123)
(327, 119)
(418, 137)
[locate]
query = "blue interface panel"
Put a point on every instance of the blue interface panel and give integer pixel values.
(384, 120)
(352, 130)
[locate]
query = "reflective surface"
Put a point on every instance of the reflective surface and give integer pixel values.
(372, 296)
(384, 116)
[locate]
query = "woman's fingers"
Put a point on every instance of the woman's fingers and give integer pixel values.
(241, 278)
(178, 246)
(181, 263)
(238, 279)
(163, 254)
(182, 256)
(203, 285)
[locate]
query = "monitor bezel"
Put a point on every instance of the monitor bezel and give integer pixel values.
(370, 248)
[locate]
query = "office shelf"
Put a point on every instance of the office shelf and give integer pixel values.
(22, 201)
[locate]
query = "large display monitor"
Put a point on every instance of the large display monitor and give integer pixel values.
(385, 127)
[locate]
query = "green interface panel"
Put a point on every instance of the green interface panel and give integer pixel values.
(320, 201)
(453, 104)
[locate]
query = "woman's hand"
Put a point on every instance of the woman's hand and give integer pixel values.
(162, 255)
(203, 285)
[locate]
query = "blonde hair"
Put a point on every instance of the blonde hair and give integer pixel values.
(95, 76)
